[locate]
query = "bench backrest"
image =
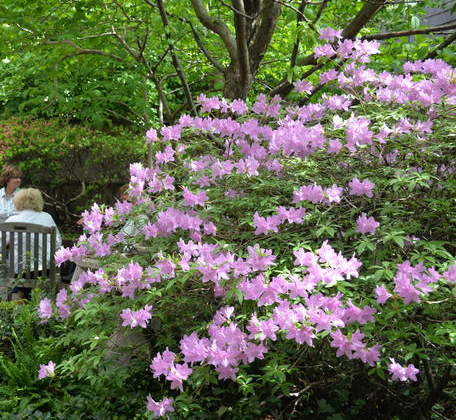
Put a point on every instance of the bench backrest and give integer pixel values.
(25, 240)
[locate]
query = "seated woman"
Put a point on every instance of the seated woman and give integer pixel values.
(29, 205)
(10, 180)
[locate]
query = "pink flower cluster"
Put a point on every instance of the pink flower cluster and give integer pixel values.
(134, 318)
(175, 373)
(316, 194)
(450, 274)
(46, 370)
(45, 310)
(399, 373)
(271, 223)
(360, 188)
(366, 225)
(410, 282)
(298, 303)
(160, 408)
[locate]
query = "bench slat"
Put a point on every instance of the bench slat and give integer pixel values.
(27, 238)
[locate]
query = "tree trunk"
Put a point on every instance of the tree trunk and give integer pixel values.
(235, 86)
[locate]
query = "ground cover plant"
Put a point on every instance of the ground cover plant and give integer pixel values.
(298, 261)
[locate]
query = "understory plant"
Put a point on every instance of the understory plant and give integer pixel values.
(298, 259)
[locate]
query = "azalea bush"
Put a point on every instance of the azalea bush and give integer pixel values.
(298, 260)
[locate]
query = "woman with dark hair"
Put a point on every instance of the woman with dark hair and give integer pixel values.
(10, 180)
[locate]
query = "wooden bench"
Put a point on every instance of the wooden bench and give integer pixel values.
(22, 262)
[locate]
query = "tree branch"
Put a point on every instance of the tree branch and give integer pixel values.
(218, 27)
(410, 32)
(123, 117)
(238, 11)
(320, 11)
(163, 103)
(204, 50)
(175, 59)
(82, 51)
(263, 36)
(351, 30)
(241, 40)
(294, 53)
(449, 40)
(369, 9)
(145, 99)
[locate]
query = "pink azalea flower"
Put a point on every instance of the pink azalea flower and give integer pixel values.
(450, 274)
(134, 318)
(330, 34)
(64, 309)
(366, 225)
(399, 373)
(361, 188)
(46, 370)
(334, 194)
(151, 135)
(325, 50)
(171, 132)
(303, 86)
(239, 107)
(334, 146)
(45, 310)
(382, 294)
(194, 349)
(160, 408)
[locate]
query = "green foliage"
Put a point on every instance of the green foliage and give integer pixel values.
(103, 369)
(73, 164)
(413, 197)
(104, 64)
(89, 384)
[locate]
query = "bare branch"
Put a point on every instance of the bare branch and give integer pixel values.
(163, 103)
(132, 111)
(123, 117)
(136, 56)
(294, 53)
(83, 188)
(297, 11)
(238, 11)
(218, 27)
(449, 40)
(203, 49)
(95, 36)
(364, 15)
(320, 11)
(398, 34)
(145, 117)
(175, 59)
(24, 29)
(81, 51)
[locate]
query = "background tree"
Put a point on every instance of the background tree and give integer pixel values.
(133, 62)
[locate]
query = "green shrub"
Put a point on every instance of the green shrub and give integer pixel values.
(72, 164)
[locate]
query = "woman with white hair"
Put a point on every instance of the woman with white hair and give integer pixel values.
(29, 206)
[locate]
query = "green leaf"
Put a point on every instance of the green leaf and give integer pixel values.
(414, 22)
(399, 240)
(239, 295)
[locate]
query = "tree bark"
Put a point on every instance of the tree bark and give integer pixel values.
(254, 23)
